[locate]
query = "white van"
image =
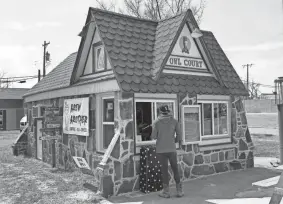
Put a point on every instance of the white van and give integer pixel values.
(23, 123)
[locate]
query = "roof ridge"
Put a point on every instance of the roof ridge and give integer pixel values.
(13, 88)
(123, 15)
(206, 31)
(172, 17)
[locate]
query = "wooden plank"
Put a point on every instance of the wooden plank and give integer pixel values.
(53, 125)
(48, 129)
(52, 109)
(54, 119)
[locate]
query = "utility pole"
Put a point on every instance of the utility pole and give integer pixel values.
(38, 75)
(44, 56)
(248, 66)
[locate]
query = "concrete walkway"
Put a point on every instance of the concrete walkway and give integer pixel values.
(236, 184)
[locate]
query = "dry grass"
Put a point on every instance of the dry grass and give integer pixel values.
(27, 180)
(265, 145)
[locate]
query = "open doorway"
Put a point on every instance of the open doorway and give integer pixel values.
(144, 121)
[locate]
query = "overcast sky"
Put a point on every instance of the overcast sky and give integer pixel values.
(249, 31)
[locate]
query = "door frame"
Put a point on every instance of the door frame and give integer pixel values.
(35, 123)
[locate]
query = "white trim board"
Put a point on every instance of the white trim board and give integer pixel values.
(267, 182)
(98, 87)
(169, 71)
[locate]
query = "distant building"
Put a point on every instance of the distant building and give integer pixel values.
(11, 108)
(267, 96)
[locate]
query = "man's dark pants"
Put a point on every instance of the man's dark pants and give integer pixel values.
(172, 157)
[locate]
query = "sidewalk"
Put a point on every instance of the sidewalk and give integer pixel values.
(229, 185)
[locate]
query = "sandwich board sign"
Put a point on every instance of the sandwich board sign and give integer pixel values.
(81, 163)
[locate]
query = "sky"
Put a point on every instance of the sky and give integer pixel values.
(249, 31)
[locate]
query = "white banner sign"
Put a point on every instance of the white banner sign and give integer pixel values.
(76, 116)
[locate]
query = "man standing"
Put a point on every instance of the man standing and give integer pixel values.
(164, 129)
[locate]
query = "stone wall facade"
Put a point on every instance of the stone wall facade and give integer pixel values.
(121, 174)
(192, 161)
(66, 145)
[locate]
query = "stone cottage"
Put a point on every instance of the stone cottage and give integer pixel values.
(124, 70)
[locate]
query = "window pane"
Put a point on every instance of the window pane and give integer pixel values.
(108, 133)
(223, 118)
(100, 65)
(108, 110)
(169, 104)
(191, 124)
(207, 119)
(216, 118)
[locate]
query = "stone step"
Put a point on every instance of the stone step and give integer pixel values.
(267, 182)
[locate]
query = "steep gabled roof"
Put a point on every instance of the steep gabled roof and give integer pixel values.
(165, 38)
(138, 48)
(129, 43)
(58, 78)
(12, 93)
(227, 72)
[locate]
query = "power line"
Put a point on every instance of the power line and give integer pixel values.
(264, 85)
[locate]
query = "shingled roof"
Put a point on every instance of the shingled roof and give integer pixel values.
(137, 49)
(12, 93)
(58, 78)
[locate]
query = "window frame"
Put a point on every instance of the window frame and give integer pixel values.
(107, 122)
(100, 119)
(216, 139)
(183, 125)
(95, 47)
(212, 113)
(153, 116)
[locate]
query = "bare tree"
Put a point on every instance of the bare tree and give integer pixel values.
(156, 9)
(4, 81)
(254, 90)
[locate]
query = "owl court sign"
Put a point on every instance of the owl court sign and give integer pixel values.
(186, 62)
(186, 55)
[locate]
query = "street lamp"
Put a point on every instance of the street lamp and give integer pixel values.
(279, 101)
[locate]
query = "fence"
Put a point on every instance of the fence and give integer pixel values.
(260, 106)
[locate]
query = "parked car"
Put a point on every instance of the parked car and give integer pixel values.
(23, 123)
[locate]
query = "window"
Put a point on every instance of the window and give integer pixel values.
(108, 121)
(99, 57)
(146, 112)
(206, 123)
(191, 120)
(215, 119)
(105, 114)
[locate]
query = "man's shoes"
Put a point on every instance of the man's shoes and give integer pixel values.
(165, 193)
(179, 188)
